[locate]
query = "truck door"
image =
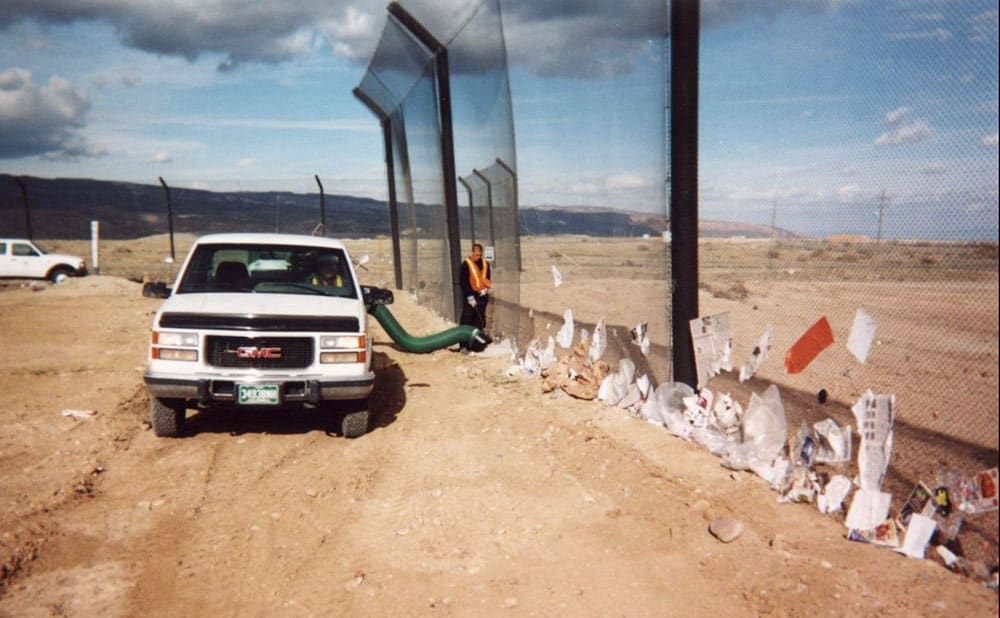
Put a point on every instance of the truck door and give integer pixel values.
(26, 261)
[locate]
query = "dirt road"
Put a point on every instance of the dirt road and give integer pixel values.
(474, 495)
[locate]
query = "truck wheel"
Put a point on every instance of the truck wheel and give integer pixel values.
(355, 423)
(60, 274)
(167, 416)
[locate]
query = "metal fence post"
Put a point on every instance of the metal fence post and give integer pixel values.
(472, 220)
(447, 143)
(390, 174)
(684, 24)
(489, 203)
(517, 213)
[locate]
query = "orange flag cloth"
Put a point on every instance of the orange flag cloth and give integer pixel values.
(810, 344)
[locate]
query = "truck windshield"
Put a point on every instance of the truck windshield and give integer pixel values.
(271, 269)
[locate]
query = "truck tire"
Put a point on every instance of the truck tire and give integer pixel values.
(60, 274)
(355, 423)
(167, 416)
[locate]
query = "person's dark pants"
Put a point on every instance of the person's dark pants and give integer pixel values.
(475, 316)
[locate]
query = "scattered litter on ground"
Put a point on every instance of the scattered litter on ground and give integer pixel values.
(868, 509)
(79, 413)
(727, 416)
(556, 276)
(859, 341)
(574, 375)
(979, 492)
(920, 501)
(833, 442)
(817, 338)
(918, 535)
(757, 439)
(832, 498)
(764, 425)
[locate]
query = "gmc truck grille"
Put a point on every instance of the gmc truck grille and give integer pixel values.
(259, 352)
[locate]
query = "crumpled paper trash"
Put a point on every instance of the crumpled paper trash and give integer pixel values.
(574, 375)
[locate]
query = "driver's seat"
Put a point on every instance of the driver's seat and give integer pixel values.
(232, 275)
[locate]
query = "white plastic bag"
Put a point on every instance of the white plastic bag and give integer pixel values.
(764, 426)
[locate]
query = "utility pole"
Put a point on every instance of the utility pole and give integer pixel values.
(881, 209)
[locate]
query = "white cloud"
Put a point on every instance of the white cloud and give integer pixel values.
(934, 17)
(896, 115)
(41, 120)
(937, 34)
(543, 35)
(848, 193)
(627, 181)
(246, 162)
(162, 157)
(806, 114)
(990, 140)
(983, 27)
(916, 131)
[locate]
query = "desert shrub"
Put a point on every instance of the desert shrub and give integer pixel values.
(818, 253)
(555, 254)
(773, 254)
(847, 257)
(643, 248)
(929, 260)
(985, 250)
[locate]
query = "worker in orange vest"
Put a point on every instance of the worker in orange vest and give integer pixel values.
(475, 280)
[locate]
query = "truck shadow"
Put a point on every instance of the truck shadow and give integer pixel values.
(387, 399)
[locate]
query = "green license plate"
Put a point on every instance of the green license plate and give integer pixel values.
(258, 394)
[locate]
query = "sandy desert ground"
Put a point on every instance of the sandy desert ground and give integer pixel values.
(475, 494)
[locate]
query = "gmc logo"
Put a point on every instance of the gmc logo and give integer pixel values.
(252, 351)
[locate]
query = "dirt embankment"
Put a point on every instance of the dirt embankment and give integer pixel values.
(475, 494)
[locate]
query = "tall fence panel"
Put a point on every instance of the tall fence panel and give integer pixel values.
(893, 214)
(404, 77)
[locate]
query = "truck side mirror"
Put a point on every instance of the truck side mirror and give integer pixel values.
(155, 289)
(376, 296)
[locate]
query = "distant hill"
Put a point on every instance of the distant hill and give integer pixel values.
(64, 207)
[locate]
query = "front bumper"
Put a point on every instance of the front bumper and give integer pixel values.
(292, 389)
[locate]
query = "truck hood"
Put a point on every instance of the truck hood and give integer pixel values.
(264, 304)
(62, 257)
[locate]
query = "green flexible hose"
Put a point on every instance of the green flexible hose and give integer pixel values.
(476, 339)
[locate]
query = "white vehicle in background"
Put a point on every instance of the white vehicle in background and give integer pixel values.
(23, 259)
(262, 321)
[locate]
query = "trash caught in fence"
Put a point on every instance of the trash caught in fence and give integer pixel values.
(565, 335)
(874, 415)
(859, 341)
(713, 345)
(817, 338)
(761, 348)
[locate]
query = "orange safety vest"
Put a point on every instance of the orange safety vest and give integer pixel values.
(479, 280)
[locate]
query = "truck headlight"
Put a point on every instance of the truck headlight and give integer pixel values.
(343, 349)
(174, 346)
(175, 354)
(182, 340)
(344, 342)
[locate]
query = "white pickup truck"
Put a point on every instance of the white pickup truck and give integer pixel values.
(262, 320)
(22, 259)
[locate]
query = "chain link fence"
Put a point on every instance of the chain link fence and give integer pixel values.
(906, 230)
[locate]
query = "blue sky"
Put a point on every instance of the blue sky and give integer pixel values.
(809, 109)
